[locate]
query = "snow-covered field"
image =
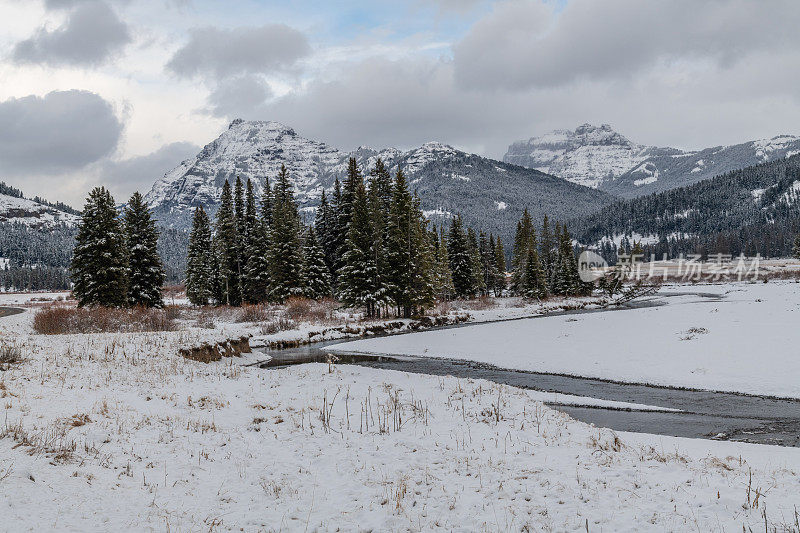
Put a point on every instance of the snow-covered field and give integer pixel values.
(745, 341)
(117, 431)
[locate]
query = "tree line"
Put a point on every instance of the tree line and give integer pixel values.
(370, 246)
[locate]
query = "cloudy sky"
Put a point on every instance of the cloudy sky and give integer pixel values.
(116, 92)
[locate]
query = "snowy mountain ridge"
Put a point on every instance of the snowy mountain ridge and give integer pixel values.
(448, 180)
(14, 210)
(601, 158)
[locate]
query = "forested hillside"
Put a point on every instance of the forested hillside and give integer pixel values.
(750, 211)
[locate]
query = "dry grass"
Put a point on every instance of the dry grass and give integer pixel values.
(305, 310)
(59, 320)
(9, 354)
(277, 325)
(255, 313)
(481, 303)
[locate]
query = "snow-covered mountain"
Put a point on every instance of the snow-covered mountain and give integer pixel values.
(14, 210)
(589, 156)
(489, 194)
(601, 158)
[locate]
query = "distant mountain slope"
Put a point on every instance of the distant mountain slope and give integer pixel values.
(489, 194)
(33, 214)
(601, 158)
(589, 156)
(36, 239)
(663, 172)
(752, 210)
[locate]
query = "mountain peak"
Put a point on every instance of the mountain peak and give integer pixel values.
(587, 155)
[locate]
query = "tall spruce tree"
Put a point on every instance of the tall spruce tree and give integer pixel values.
(475, 258)
(100, 258)
(566, 280)
(379, 197)
(226, 246)
(344, 205)
(200, 263)
(444, 278)
(286, 254)
(535, 282)
(316, 276)
(145, 270)
(398, 253)
(547, 246)
(338, 232)
(255, 280)
(500, 267)
(460, 260)
(325, 225)
(523, 240)
(241, 226)
(357, 287)
(422, 292)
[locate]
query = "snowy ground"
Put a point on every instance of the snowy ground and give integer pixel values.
(746, 341)
(117, 431)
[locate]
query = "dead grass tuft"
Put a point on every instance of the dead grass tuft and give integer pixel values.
(59, 320)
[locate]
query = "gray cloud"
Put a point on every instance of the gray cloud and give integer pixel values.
(60, 132)
(524, 43)
(91, 35)
(218, 53)
(239, 97)
(406, 103)
(139, 173)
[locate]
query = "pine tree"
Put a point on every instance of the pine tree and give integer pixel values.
(500, 266)
(100, 259)
(546, 249)
(338, 231)
(488, 262)
(358, 272)
(421, 294)
(344, 205)
(240, 211)
(256, 280)
(286, 254)
(381, 182)
(444, 278)
(200, 264)
(535, 282)
(460, 260)
(379, 196)
(145, 270)
(325, 224)
(399, 245)
(226, 246)
(249, 225)
(316, 276)
(566, 280)
(475, 259)
(523, 240)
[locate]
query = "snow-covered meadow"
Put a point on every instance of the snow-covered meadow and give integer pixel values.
(118, 431)
(739, 337)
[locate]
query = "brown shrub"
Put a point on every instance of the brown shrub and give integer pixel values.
(61, 320)
(305, 310)
(9, 355)
(479, 304)
(277, 325)
(255, 313)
